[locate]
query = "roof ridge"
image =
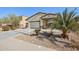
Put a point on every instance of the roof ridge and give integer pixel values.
(35, 14)
(48, 14)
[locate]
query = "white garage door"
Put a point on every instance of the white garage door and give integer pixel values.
(34, 25)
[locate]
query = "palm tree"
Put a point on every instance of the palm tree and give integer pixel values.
(65, 21)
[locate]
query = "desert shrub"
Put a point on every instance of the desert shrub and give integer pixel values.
(12, 27)
(37, 31)
(5, 28)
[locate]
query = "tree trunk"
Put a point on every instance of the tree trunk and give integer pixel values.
(64, 35)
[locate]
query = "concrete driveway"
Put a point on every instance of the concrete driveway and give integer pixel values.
(7, 34)
(13, 33)
(19, 45)
(9, 43)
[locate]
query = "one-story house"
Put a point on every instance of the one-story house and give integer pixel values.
(40, 20)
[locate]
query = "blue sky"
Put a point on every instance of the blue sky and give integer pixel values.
(28, 11)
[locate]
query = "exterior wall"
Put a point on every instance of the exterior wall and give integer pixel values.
(41, 23)
(23, 22)
(45, 24)
(0, 28)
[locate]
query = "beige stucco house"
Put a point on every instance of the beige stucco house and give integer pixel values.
(41, 20)
(23, 22)
(0, 27)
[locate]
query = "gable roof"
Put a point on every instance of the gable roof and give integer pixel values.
(41, 15)
(49, 16)
(36, 16)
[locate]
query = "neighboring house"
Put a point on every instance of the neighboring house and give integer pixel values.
(23, 22)
(4, 25)
(40, 20)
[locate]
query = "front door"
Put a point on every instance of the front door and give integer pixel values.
(45, 24)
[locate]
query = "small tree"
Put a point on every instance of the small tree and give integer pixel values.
(65, 21)
(37, 31)
(14, 20)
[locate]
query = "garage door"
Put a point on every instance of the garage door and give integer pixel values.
(34, 25)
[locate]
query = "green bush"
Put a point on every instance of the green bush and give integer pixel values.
(37, 31)
(12, 27)
(5, 28)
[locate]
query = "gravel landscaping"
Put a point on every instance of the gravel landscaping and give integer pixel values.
(56, 43)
